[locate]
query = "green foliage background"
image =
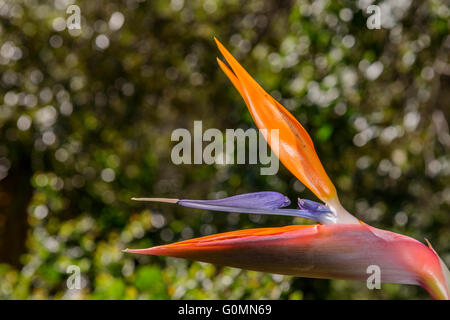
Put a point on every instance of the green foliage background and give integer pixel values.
(86, 119)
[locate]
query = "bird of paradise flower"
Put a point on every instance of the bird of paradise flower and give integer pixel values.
(339, 247)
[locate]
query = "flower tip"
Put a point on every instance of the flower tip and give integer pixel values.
(220, 45)
(153, 251)
(166, 200)
(429, 244)
(127, 250)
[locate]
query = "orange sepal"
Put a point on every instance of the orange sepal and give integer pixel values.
(295, 149)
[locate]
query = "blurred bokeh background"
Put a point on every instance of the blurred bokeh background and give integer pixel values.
(86, 117)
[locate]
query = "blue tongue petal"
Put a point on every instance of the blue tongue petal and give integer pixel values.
(267, 202)
(256, 200)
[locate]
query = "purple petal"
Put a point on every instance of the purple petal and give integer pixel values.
(264, 203)
(256, 200)
(312, 205)
(267, 202)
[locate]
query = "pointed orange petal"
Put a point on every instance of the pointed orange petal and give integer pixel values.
(296, 149)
